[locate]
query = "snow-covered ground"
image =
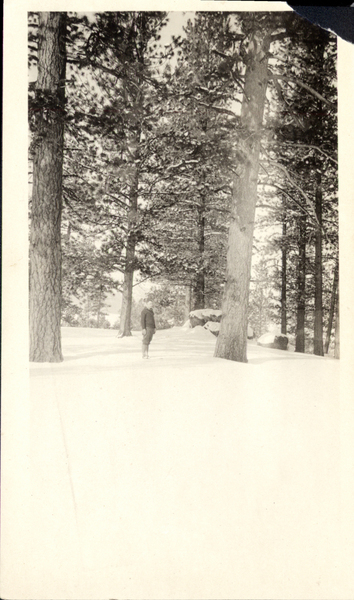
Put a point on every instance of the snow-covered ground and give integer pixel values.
(183, 476)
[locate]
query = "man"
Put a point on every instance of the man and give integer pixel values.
(148, 326)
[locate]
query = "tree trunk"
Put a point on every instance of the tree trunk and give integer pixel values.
(332, 308)
(99, 306)
(133, 90)
(283, 279)
(261, 313)
(45, 240)
(232, 339)
(188, 302)
(127, 299)
(301, 288)
(199, 290)
(318, 324)
(337, 330)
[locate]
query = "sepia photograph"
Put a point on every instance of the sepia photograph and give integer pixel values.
(177, 317)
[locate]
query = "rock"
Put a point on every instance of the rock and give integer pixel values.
(212, 327)
(215, 328)
(196, 321)
(276, 340)
(210, 318)
(204, 315)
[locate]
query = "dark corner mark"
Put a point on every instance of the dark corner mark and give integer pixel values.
(338, 19)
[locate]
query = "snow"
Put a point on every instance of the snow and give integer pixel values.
(181, 477)
(200, 332)
(268, 338)
(205, 313)
(212, 327)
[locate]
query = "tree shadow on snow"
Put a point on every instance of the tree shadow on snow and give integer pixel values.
(99, 353)
(275, 355)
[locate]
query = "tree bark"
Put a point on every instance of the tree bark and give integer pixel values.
(127, 299)
(199, 290)
(133, 91)
(99, 306)
(318, 324)
(337, 330)
(283, 279)
(45, 234)
(332, 308)
(188, 302)
(232, 339)
(301, 288)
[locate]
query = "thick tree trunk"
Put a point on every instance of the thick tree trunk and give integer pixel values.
(127, 299)
(301, 288)
(318, 324)
(332, 308)
(133, 90)
(45, 241)
(232, 339)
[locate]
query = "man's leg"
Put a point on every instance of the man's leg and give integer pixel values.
(147, 340)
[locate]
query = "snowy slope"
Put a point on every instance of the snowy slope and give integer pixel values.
(184, 476)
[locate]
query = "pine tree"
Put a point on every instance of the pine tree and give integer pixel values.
(260, 33)
(86, 278)
(119, 50)
(193, 146)
(47, 122)
(232, 339)
(307, 139)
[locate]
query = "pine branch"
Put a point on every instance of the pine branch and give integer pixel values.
(147, 278)
(311, 146)
(83, 165)
(296, 186)
(223, 111)
(267, 206)
(303, 85)
(302, 208)
(278, 36)
(120, 202)
(222, 54)
(287, 104)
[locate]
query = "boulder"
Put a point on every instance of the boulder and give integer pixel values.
(196, 321)
(204, 315)
(212, 327)
(210, 318)
(215, 328)
(275, 340)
